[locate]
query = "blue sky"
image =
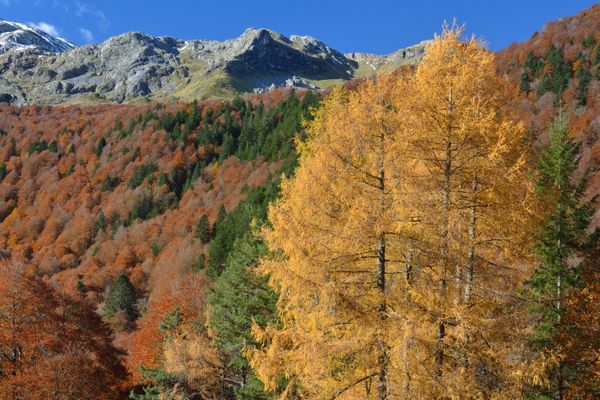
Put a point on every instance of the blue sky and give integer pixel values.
(375, 26)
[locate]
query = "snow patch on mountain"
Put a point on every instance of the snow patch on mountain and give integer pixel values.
(17, 36)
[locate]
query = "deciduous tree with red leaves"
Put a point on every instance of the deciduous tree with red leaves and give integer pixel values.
(53, 346)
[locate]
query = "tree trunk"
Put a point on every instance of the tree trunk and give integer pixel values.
(383, 357)
(559, 294)
(559, 367)
(441, 331)
(471, 253)
(405, 348)
(458, 280)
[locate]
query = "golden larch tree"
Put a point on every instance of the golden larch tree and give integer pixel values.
(396, 244)
(474, 205)
(338, 236)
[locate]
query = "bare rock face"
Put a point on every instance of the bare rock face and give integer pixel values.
(265, 52)
(11, 93)
(36, 68)
(295, 82)
(404, 56)
(124, 67)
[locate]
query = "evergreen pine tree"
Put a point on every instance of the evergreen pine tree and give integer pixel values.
(200, 264)
(176, 132)
(585, 77)
(150, 393)
(162, 179)
(171, 322)
(557, 78)
(121, 297)
(525, 82)
(220, 218)
(562, 237)
(228, 147)
(193, 118)
(143, 208)
(101, 221)
(534, 64)
(80, 285)
(100, 146)
(203, 231)
(240, 298)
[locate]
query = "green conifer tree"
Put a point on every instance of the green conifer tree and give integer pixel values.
(239, 298)
(203, 231)
(562, 237)
(228, 147)
(101, 221)
(121, 297)
(100, 146)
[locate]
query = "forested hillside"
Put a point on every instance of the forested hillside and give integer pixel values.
(427, 234)
(134, 210)
(559, 68)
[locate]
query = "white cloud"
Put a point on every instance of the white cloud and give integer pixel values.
(46, 27)
(84, 8)
(87, 35)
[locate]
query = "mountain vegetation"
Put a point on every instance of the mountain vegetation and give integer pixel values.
(430, 232)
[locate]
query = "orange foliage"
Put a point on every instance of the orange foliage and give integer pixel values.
(51, 202)
(581, 334)
(52, 346)
(146, 343)
(568, 34)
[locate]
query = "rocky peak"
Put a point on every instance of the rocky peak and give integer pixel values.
(270, 53)
(16, 36)
(141, 40)
(317, 48)
(404, 55)
(134, 65)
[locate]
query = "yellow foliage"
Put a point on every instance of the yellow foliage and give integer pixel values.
(193, 360)
(396, 241)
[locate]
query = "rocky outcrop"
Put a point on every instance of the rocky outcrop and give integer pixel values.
(268, 53)
(404, 56)
(295, 82)
(136, 66)
(124, 67)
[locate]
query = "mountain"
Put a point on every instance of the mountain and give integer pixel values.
(16, 36)
(135, 66)
(389, 62)
(91, 192)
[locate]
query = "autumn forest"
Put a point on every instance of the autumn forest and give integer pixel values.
(431, 233)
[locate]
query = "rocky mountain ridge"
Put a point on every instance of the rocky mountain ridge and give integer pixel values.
(401, 56)
(134, 67)
(16, 36)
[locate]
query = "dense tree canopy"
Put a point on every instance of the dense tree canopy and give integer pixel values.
(53, 346)
(406, 253)
(404, 185)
